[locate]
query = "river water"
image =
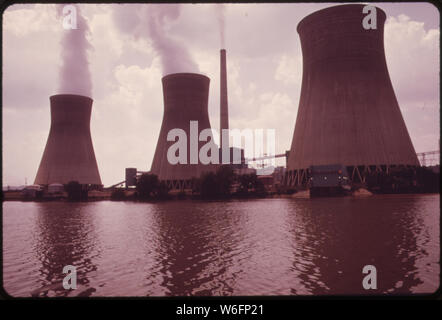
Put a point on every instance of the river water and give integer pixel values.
(250, 247)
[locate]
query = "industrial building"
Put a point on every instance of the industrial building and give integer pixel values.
(69, 153)
(348, 113)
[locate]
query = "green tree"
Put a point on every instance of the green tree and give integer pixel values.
(150, 187)
(208, 185)
(250, 184)
(147, 184)
(260, 189)
(196, 185)
(428, 181)
(75, 191)
(215, 185)
(118, 194)
(224, 179)
(162, 191)
(247, 182)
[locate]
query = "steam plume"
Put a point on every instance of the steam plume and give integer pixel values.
(174, 56)
(220, 13)
(74, 75)
(153, 21)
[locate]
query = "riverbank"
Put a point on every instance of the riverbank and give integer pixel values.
(130, 196)
(19, 196)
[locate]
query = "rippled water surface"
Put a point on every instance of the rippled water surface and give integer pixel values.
(253, 247)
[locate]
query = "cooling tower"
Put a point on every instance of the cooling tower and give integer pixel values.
(69, 153)
(224, 109)
(185, 99)
(348, 113)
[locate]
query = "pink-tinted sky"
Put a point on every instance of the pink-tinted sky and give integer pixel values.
(264, 73)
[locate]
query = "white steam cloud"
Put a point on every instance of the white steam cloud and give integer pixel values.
(174, 56)
(75, 76)
(220, 14)
(153, 21)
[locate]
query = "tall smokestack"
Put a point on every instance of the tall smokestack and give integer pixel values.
(69, 153)
(224, 109)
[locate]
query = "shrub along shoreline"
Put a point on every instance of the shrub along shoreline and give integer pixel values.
(223, 184)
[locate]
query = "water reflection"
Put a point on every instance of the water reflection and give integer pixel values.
(198, 247)
(333, 239)
(254, 247)
(65, 236)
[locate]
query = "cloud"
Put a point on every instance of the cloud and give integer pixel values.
(126, 123)
(153, 21)
(220, 14)
(289, 70)
(21, 20)
(31, 36)
(412, 54)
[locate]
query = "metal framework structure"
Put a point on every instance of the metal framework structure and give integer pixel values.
(179, 184)
(429, 158)
(357, 174)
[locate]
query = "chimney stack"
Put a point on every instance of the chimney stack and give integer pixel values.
(224, 110)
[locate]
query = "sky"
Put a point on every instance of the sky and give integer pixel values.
(126, 50)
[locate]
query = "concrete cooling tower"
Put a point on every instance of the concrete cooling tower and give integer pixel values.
(69, 153)
(348, 113)
(186, 98)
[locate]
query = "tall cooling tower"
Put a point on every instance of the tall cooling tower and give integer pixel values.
(186, 98)
(348, 113)
(69, 153)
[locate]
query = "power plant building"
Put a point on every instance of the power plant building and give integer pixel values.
(69, 153)
(348, 113)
